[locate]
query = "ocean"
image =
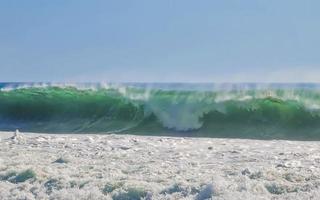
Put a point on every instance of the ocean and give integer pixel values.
(289, 111)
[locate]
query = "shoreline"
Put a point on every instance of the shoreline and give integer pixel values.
(97, 166)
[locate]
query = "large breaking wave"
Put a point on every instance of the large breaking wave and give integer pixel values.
(238, 111)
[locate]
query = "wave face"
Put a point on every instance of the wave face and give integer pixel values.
(257, 111)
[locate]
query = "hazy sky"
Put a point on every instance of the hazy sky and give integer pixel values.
(157, 41)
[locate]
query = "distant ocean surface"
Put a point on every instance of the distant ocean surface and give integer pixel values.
(245, 110)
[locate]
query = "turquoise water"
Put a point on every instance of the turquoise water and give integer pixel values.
(259, 111)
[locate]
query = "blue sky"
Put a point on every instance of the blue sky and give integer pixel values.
(160, 41)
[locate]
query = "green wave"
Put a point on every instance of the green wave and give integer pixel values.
(252, 113)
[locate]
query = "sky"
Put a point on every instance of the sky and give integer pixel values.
(160, 41)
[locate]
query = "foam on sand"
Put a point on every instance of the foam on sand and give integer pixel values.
(46, 166)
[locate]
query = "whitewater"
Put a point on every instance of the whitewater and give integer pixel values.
(127, 167)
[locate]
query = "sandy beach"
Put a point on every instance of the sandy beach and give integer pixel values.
(47, 166)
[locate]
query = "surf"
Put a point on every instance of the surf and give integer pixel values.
(278, 111)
